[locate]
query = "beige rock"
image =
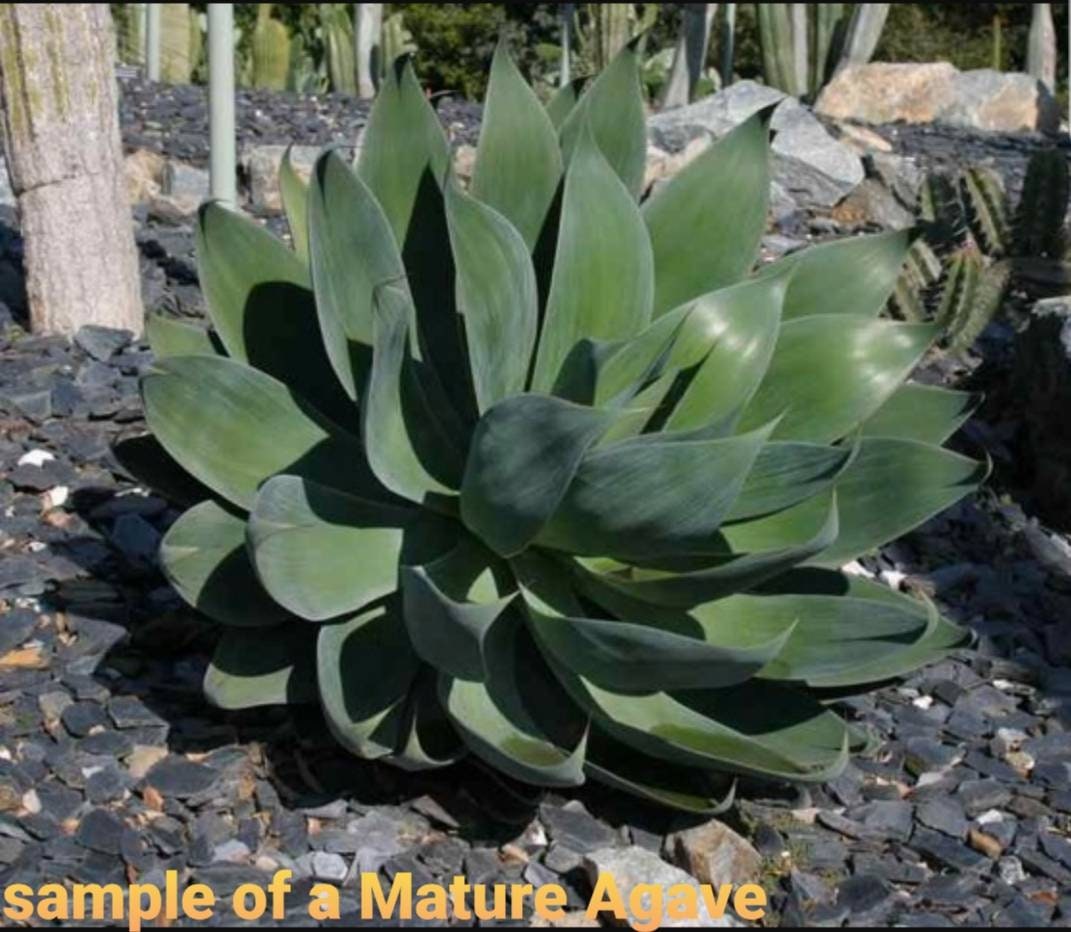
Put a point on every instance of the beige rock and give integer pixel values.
(862, 139)
(885, 92)
(713, 853)
(261, 164)
(144, 170)
(464, 163)
(142, 759)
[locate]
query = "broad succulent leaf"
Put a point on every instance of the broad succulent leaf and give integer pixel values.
(543, 471)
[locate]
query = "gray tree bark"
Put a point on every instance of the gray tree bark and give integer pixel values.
(65, 159)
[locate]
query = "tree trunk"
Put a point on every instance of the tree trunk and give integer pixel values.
(367, 37)
(61, 136)
(1041, 51)
(690, 54)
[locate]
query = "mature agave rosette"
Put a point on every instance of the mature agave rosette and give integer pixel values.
(543, 473)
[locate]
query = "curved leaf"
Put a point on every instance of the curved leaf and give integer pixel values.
(169, 336)
(602, 285)
(365, 669)
(830, 372)
(262, 307)
(150, 464)
(853, 275)
(254, 428)
(524, 453)
(353, 254)
(893, 486)
(295, 193)
(321, 553)
(496, 296)
(518, 162)
(613, 107)
(564, 99)
(203, 555)
(786, 473)
(651, 496)
(706, 223)
(276, 666)
(450, 605)
(921, 412)
(403, 141)
(429, 740)
(407, 448)
(518, 718)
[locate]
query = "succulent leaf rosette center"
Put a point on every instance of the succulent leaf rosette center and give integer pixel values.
(543, 468)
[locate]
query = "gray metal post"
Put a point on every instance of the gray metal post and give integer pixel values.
(152, 41)
(221, 142)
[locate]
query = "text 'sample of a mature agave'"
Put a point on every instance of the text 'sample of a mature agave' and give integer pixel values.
(536, 471)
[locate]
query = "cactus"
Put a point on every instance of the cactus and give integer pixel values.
(863, 33)
(998, 43)
(1039, 222)
(396, 40)
(799, 67)
(728, 42)
(958, 288)
(941, 212)
(176, 61)
(130, 27)
(826, 37)
(271, 50)
(987, 212)
(338, 40)
(990, 287)
(921, 272)
(613, 28)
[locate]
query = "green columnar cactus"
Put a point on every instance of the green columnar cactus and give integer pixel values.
(337, 28)
(482, 479)
(176, 46)
(1039, 220)
(987, 211)
(271, 50)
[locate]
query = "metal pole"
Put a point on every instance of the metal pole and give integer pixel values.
(221, 142)
(152, 41)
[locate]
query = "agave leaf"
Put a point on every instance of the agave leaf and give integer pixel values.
(830, 372)
(602, 285)
(921, 412)
(854, 275)
(428, 738)
(621, 655)
(735, 571)
(407, 447)
(321, 553)
(893, 486)
(616, 765)
(203, 555)
(254, 428)
(169, 336)
(149, 464)
(518, 161)
(518, 719)
(786, 473)
(262, 306)
(613, 107)
(295, 193)
(650, 496)
(275, 666)
(706, 223)
(724, 346)
(753, 728)
(353, 254)
(450, 605)
(365, 669)
(565, 98)
(524, 454)
(496, 295)
(402, 143)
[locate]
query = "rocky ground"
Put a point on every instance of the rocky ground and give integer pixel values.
(113, 768)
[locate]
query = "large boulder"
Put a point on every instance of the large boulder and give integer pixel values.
(260, 166)
(884, 92)
(809, 165)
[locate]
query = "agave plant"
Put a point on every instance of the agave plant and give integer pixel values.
(543, 471)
